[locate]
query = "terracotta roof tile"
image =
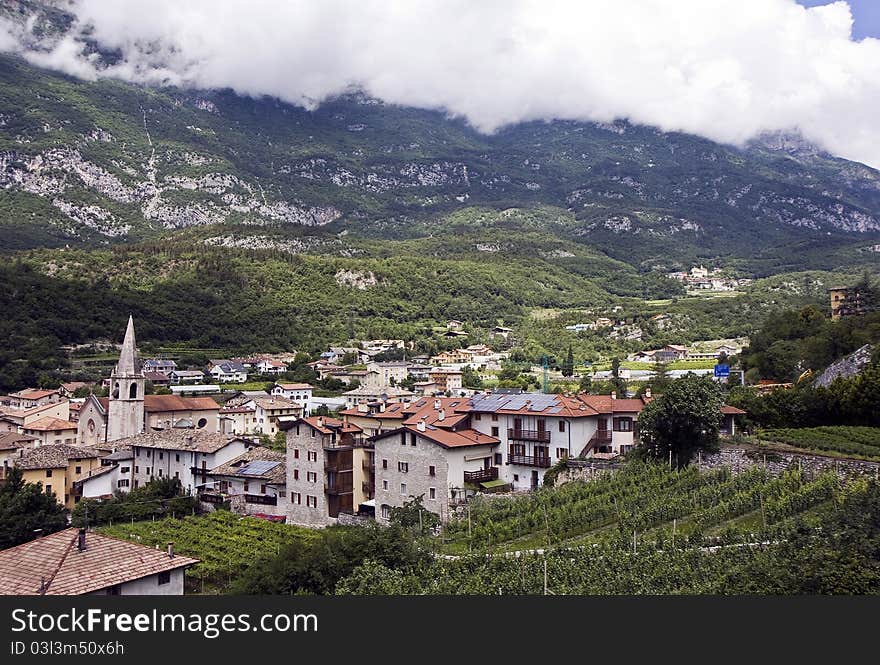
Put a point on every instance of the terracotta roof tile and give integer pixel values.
(56, 562)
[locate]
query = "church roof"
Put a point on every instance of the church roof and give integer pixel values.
(128, 365)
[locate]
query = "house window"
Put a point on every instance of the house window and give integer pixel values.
(314, 433)
(432, 493)
(124, 469)
(385, 485)
(498, 459)
(384, 463)
(296, 453)
(403, 488)
(432, 471)
(562, 453)
(122, 483)
(48, 489)
(561, 425)
(495, 432)
(177, 457)
(516, 477)
(246, 486)
(296, 474)
(165, 578)
(312, 477)
(386, 511)
(160, 473)
(161, 455)
(494, 417)
(48, 473)
(262, 489)
(312, 501)
(403, 438)
(403, 467)
(296, 497)
(412, 440)
(137, 469)
(476, 416)
(313, 456)
(177, 474)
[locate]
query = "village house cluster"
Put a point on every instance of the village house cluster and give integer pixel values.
(700, 278)
(385, 447)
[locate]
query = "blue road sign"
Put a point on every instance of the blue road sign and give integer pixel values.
(722, 370)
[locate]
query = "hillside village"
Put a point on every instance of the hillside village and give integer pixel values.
(385, 445)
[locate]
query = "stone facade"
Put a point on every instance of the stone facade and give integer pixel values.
(396, 483)
(305, 456)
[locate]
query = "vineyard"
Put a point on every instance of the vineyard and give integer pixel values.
(225, 543)
(863, 442)
(642, 499)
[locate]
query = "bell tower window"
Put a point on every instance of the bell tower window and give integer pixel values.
(116, 391)
(133, 391)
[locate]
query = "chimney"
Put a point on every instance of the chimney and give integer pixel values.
(81, 540)
(363, 408)
(613, 394)
(421, 426)
(170, 549)
(648, 391)
(441, 415)
(320, 421)
(437, 405)
(382, 407)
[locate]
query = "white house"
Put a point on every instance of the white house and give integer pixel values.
(185, 454)
(74, 562)
(301, 393)
(253, 483)
(227, 371)
(268, 366)
(179, 376)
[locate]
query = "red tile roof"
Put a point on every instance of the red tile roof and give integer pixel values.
(56, 562)
(445, 437)
(153, 403)
(49, 424)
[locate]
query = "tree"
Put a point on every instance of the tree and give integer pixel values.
(684, 419)
(660, 378)
(617, 382)
(26, 511)
(586, 383)
(413, 516)
(470, 378)
(568, 365)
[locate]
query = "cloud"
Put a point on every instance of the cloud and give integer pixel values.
(724, 69)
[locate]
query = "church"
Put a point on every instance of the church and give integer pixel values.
(128, 411)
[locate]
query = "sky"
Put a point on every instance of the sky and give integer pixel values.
(866, 16)
(727, 70)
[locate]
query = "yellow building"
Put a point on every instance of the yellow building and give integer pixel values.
(58, 467)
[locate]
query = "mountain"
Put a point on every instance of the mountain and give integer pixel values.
(103, 162)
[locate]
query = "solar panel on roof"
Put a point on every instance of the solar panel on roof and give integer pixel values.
(556, 409)
(257, 468)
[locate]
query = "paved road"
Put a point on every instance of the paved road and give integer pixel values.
(640, 374)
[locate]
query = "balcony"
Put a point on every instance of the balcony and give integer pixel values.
(209, 497)
(264, 499)
(529, 460)
(339, 487)
(339, 467)
(529, 434)
(481, 476)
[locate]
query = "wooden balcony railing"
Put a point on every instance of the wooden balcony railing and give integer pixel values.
(339, 487)
(528, 434)
(264, 499)
(529, 460)
(482, 475)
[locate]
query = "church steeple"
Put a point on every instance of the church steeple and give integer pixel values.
(128, 365)
(125, 415)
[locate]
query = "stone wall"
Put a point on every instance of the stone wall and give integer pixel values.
(776, 462)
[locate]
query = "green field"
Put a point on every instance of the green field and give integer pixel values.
(861, 442)
(227, 544)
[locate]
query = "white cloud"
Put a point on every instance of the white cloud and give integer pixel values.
(724, 69)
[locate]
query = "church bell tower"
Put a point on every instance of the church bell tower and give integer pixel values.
(127, 382)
